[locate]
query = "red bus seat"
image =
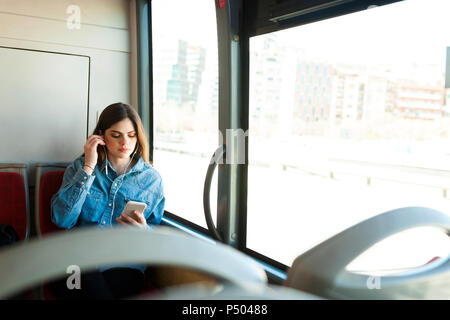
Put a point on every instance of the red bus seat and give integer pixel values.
(14, 209)
(48, 181)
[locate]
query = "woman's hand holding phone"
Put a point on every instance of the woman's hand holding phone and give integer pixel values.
(90, 152)
(135, 218)
(133, 215)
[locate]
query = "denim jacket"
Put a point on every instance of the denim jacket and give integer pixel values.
(99, 199)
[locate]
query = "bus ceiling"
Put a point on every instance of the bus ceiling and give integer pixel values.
(265, 16)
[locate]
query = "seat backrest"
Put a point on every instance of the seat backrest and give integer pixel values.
(48, 181)
(322, 270)
(14, 208)
(47, 259)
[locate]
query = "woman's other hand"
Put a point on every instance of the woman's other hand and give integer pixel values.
(90, 152)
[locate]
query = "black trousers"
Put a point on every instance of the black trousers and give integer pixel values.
(116, 283)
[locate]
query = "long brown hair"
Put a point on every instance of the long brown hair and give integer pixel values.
(117, 112)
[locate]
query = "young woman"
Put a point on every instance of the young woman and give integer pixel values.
(113, 170)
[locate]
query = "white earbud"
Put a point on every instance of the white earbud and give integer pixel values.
(106, 157)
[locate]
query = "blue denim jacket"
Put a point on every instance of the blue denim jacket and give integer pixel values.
(97, 199)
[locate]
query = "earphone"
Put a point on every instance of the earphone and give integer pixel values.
(126, 168)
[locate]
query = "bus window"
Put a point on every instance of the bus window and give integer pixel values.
(185, 101)
(349, 118)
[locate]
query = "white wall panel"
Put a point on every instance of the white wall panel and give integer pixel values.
(108, 13)
(44, 105)
(55, 31)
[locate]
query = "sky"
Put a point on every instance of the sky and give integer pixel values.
(192, 20)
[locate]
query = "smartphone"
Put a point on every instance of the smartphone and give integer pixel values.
(134, 205)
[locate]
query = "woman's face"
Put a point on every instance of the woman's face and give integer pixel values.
(121, 139)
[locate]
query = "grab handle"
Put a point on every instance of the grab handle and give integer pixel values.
(321, 270)
(217, 156)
